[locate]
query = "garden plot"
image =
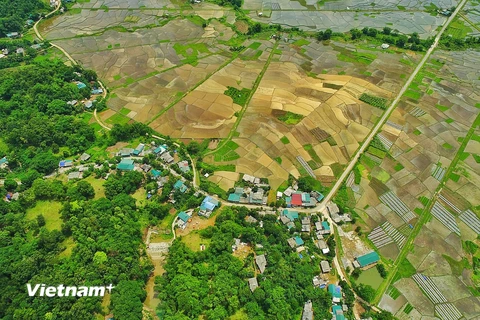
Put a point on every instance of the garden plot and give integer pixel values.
(393, 202)
(379, 237)
(438, 172)
(406, 22)
(445, 217)
(471, 220)
(394, 234)
(124, 4)
(207, 112)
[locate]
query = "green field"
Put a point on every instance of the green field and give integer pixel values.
(227, 152)
(370, 277)
(97, 185)
(50, 211)
(356, 57)
(442, 108)
(285, 140)
(291, 118)
(117, 118)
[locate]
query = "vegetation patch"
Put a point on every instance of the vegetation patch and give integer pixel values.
(285, 140)
(417, 132)
(374, 101)
(301, 42)
(454, 177)
(239, 96)
(50, 210)
(356, 57)
(291, 118)
(227, 152)
(398, 166)
(255, 45)
(312, 153)
(447, 146)
(442, 108)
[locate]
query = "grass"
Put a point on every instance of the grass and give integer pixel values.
(191, 50)
(239, 96)
(393, 292)
(278, 159)
(291, 118)
(408, 308)
(442, 108)
(405, 269)
(454, 177)
(356, 57)
(447, 146)
(374, 101)
(69, 243)
(285, 140)
(197, 20)
(117, 118)
(97, 185)
(301, 42)
(227, 152)
(312, 153)
(376, 152)
(50, 211)
(398, 166)
(412, 94)
(255, 45)
(423, 200)
(370, 277)
(417, 132)
(125, 111)
(117, 76)
(193, 240)
(457, 266)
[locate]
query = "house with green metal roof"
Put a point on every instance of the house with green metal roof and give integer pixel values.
(326, 226)
(182, 219)
(335, 292)
(180, 186)
(299, 241)
(234, 197)
(3, 162)
(138, 149)
(156, 173)
(368, 259)
(291, 215)
(126, 165)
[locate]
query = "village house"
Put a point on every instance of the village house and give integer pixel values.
(295, 242)
(338, 312)
(335, 292)
(125, 152)
(306, 224)
(250, 219)
(167, 157)
(84, 157)
(319, 282)
(325, 266)
(65, 163)
(182, 219)
(322, 245)
(208, 205)
(160, 150)
(138, 150)
(366, 261)
(307, 311)
(180, 186)
(253, 284)
(126, 165)
(146, 167)
(3, 163)
(183, 166)
(261, 262)
(74, 175)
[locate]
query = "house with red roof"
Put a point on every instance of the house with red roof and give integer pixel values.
(296, 200)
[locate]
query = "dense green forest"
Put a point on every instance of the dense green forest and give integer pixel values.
(214, 282)
(35, 119)
(107, 249)
(14, 13)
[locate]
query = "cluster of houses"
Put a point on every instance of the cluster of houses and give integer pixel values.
(207, 206)
(334, 213)
(296, 198)
(248, 195)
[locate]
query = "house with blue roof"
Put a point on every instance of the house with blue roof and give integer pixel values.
(326, 227)
(295, 242)
(65, 163)
(338, 312)
(299, 241)
(208, 205)
(234, 197)
(81, 85)
(97, 91)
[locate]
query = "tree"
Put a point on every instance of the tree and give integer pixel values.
(381, 270)
(366, 292)
(355, 34)
(127, 299)
(41, 220)
(193, 147)
(85, 190)
(387, 30)
(100, 257)
(10, 185)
